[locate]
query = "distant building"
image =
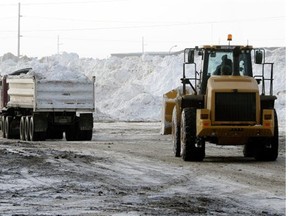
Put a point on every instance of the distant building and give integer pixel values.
(162, 54)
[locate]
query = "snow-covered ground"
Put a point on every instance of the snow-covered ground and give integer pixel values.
(121, 171)
(131, 88)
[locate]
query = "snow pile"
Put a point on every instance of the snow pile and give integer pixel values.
(56, 67)
(131, 88)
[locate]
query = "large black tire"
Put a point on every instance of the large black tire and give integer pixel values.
(72, 133)
(249, 148)
(8, 131)
(22, 128)
(85, 135)
(33, 135)
(176, 133)
(192, 147)
(27, 128)
(267, 148)
(3, 126)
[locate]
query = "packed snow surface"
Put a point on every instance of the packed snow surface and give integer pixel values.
(131, 88)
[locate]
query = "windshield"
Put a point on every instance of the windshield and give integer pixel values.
(221, 63)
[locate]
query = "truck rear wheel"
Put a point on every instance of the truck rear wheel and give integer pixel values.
(27, 126)
(7, 130)
(267, 148)
(192, 147)
(176, 133)
(3, 127)
(71, 134)
(22, 128)
(33, 136)
(85, 135)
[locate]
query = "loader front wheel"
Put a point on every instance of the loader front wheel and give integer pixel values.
(176, 133)
(267, 148)
(192, 147)
(249, 148)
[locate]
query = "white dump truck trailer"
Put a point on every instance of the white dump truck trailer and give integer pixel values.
(39, 109)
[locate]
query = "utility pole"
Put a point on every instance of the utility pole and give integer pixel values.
(19, 35)
(58, 44)
(142, 45)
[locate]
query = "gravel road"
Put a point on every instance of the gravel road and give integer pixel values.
(129, 169)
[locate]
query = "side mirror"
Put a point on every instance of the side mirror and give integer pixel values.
(191, 56)
(258, 57)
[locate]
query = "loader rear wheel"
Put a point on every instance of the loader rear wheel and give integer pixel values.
(176, 133)
(267, 148)
(192, 147)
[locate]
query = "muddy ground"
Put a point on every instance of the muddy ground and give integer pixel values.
(129, 169)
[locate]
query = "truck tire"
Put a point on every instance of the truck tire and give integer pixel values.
(33, 136)
(22, 128)
(85, 135)
(192, 147)
(7, 130)
(176, 133)
(3, 127)
(71, 134)
(267, 148)
(27, 127)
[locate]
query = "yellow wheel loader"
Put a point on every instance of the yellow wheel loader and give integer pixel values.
(223, 103)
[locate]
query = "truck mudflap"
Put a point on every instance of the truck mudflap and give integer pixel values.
(206, 129)
(86, 121)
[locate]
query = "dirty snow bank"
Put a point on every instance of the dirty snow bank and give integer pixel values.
(131, 88)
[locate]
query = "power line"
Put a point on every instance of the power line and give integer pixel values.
(144, 25)
(70, 2)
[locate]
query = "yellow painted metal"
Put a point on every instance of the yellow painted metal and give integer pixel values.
(235, 135)
(167, 108)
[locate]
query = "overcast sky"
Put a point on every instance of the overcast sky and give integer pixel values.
(97, 28)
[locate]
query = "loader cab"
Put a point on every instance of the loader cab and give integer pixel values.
(212, 58)
(219, 56)
(220, 61)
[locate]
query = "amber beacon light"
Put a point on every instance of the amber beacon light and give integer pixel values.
(229, 38)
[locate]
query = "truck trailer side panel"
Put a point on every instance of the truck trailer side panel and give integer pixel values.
(47, 95)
